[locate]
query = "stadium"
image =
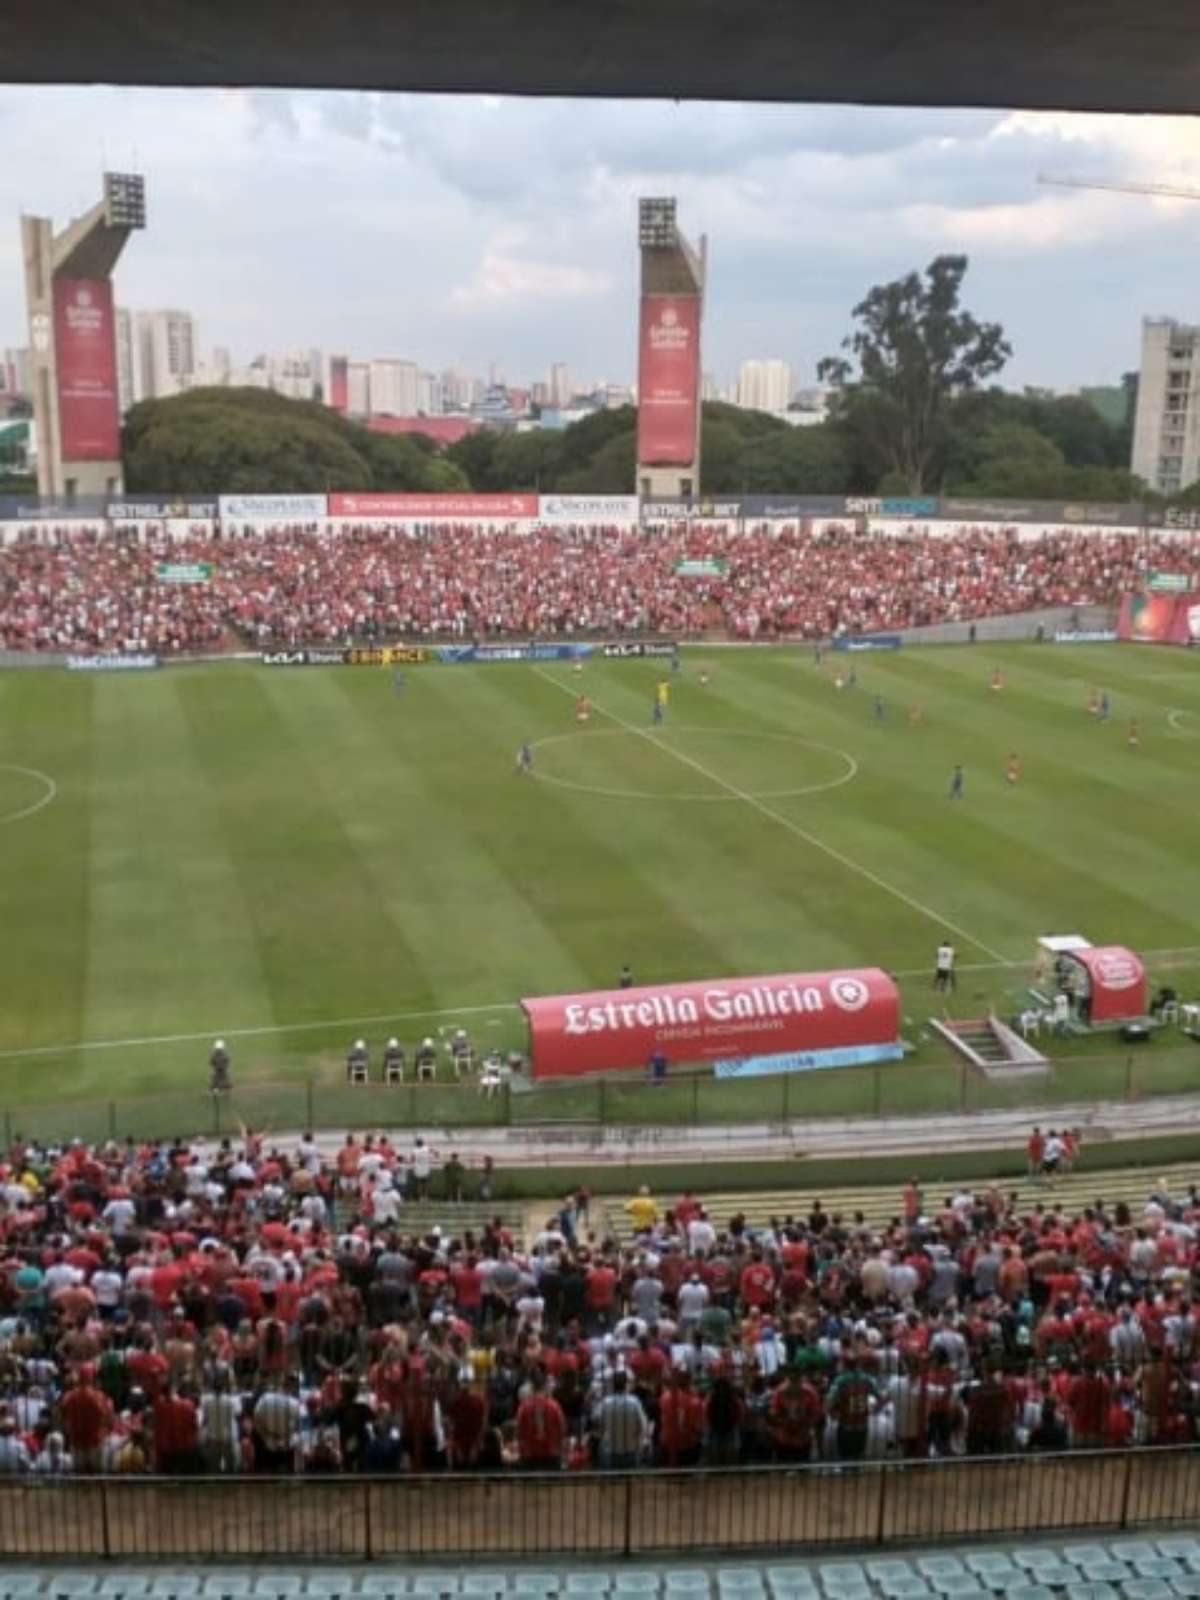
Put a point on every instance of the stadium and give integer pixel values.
(590, 1027)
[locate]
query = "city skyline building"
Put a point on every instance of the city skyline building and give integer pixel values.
(1166, 425)
(166, 353)
(560, 384)
(764, 385)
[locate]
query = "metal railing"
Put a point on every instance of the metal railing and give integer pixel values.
(451, 1516)
(689, 1099)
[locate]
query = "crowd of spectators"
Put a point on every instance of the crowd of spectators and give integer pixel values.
(264, 1308)
(94, 589)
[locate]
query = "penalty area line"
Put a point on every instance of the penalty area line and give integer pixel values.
(786, 822)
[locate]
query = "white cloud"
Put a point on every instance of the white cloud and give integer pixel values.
(506, 275)
(476, 229)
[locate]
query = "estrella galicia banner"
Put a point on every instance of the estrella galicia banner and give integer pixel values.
(717, 1019)
(668, 379)
(85, 349)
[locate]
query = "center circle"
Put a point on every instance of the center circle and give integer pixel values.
(31, 777)
(750, 777)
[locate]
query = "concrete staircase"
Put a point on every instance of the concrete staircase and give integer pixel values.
(991, 1045)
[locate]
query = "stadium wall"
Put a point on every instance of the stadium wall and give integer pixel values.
(1072, 621)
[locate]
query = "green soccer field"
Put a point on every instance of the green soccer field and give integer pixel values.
(293, 857)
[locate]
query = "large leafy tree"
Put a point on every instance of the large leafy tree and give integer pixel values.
(913, 349)
(210, 441)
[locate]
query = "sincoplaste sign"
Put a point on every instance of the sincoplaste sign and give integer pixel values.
(714, 1020)
(283, 507)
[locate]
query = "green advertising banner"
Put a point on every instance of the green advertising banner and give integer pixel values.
(703, 567)
(1170, 582)
(185, 572)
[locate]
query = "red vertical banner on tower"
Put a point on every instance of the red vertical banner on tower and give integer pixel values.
(668, 379)
(85, 352)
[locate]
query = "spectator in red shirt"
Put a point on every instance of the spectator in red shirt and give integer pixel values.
(794, 1418)
(541, 1429)
(682, 1422)
(176, 1440)
(601, 1295)
(757, 1283)
(87, 1419)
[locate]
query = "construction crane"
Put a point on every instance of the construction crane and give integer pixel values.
(1165, 191)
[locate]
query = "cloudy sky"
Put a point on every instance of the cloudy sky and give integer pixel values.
(462, 231)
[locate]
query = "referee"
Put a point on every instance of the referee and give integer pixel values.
(944, 976)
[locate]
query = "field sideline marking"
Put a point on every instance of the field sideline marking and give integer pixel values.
(252, 1033)
(318, 1027)
(86, 1045)
(786, 822)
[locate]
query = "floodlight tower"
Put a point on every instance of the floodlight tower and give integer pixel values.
(72, 339)
(671, 311)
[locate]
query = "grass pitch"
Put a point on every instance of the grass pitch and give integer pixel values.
(294, 857)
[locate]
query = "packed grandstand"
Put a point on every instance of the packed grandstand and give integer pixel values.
(260, 1307)
(76, 588)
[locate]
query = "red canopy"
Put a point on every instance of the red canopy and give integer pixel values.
(1118, 982)
(714, 1019)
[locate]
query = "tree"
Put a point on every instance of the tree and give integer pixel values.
(210, 441)
(797, 460)
(915, 350)
(1014, 460)
(610, 470)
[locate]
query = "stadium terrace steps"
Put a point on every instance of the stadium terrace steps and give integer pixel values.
(880, 1205)
(455, 1217)
(570, 1144)
(1136, 1569)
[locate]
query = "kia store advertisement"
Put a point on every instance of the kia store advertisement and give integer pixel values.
(668, 379)
(484, 507)
(574, 1034)
(1160, 619)
(1118, 982)
(86, 358)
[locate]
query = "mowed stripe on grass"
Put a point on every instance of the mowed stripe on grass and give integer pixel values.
(283, 848)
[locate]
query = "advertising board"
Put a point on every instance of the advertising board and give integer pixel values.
(712, 1020)
(502, 507)
(668, 379)
(85, 355)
